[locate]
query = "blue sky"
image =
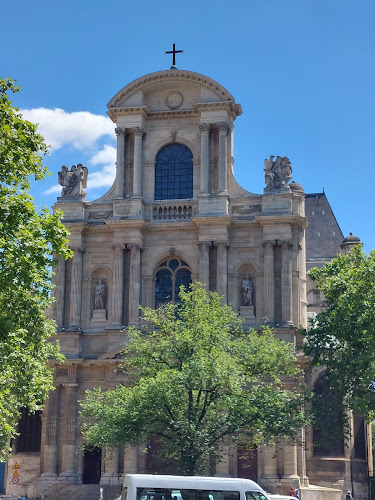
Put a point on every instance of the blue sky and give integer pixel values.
(303, 71)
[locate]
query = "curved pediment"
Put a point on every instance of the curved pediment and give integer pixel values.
(170, 90)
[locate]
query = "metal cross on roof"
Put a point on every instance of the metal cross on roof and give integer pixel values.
(174, 52)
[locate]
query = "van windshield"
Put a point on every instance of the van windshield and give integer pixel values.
(255, 495)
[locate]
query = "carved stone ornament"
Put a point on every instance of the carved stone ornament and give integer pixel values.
(277, 174)
(100, 215)
(73, 181)
(174, 100)
(61, 372)
(250, 209)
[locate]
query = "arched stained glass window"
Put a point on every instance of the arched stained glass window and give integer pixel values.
(170, 276)
(174, 173)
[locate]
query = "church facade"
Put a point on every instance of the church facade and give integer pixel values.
(175, 214)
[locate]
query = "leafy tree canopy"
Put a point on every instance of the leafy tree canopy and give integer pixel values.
(196, 380)
(28, 237)
(342, 337)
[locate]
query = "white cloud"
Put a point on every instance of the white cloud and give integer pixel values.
(56, 189)
(80, 129)
(106, 175)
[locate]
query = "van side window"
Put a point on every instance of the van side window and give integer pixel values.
(255, 495)
(183, 494)
(152, 494)
(218, 495)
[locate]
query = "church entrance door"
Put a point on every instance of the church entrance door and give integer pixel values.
(92, 462)
(247, 463)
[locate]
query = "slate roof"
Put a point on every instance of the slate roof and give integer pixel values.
(323, 234)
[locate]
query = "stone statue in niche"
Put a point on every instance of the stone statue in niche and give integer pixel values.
(247, 291)
(73, 181)
(100, 295)
(277, 173)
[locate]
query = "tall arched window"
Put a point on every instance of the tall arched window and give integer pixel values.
(174, 173)
(171, 274)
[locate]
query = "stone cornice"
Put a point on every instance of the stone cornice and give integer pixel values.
(75, 227)
(213, 220)
(229, 106)
(118, 225)
(277, 220)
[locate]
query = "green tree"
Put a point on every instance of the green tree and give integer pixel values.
(28, 237)
(196, 379)
(342, 337)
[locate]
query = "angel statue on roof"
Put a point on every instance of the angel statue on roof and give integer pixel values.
(73, 181)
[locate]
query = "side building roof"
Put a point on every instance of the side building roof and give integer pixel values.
(323, 234)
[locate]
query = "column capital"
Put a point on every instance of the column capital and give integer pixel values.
(203, 243)
(221, 243)
(223, 127)
(129, 246)
(268, 242)
(117, 247)
(285, 243)
(205, 127)
(138, 131)
(120, 131)
(77, 249)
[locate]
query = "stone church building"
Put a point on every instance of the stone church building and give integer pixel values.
(176, 214)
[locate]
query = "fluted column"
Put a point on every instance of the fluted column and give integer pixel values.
(76, 290)
(50, 448)
(205, 157)
(70, 422)
(223, 132)
(204, 263)
(269, 281)
(118, 285)
(60, 292)
(286, 283)
(134, 282)
(269, 462)
(120, 162)
(137, 172)
(222, 269)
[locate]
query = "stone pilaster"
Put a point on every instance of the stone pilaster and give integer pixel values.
(137, 172)
(134, 282)
(286, 283)
(70, 422)
(205, 157)
(204, 263)
(60, 292)
(76, 290)
(223, 467)
(111, 466)
(130, 460)
(269, 281)
(269, 462)
(222, 269)
(223, 132)
(118, 285)
(120, 162)
(290, 462)
(51, 446)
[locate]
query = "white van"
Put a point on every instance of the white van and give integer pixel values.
(155, 487)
